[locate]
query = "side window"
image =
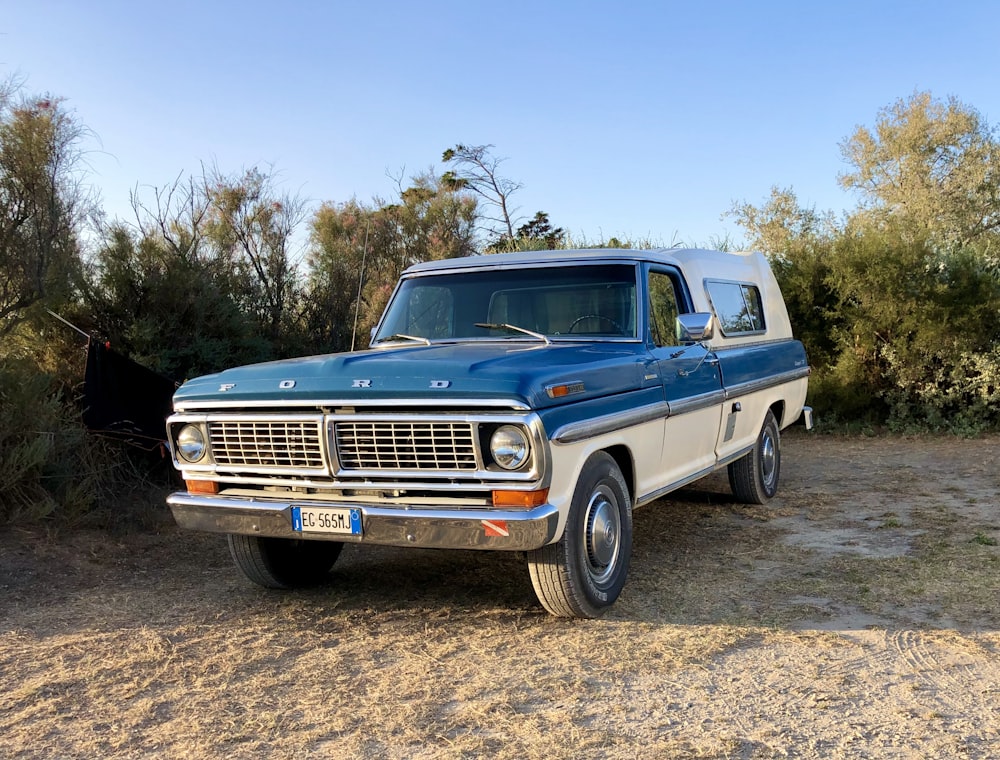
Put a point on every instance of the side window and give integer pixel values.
(754, 307)
(663, 309)
(738, 307)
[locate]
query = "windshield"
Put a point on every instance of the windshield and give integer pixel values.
(531, 303)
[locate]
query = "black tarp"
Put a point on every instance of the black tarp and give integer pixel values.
(125, 399)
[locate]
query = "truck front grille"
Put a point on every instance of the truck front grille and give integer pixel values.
(267, 443)
(392, 445)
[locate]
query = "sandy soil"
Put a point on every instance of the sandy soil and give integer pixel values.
(855, 616)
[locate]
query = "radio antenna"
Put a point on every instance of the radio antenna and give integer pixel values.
(361, 280)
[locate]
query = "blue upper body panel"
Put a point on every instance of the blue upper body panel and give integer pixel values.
(513, 370)
(743, 365)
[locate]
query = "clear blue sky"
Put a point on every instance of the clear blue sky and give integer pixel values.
(642, 119)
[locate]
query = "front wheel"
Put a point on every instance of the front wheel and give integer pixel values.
(584, 571)
(754, 477)
(283, 562)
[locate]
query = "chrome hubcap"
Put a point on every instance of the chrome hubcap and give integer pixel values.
(603, 530)
(768, 458)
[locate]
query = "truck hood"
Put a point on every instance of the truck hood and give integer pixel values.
(449, 373)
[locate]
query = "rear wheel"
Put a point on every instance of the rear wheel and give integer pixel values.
(283, 562)
(584, 571)
(754, 477)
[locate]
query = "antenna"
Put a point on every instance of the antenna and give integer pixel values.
(69, 324)
(361, 280)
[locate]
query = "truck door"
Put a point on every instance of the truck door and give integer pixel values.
(692, 384)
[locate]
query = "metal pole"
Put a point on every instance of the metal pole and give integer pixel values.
(361, 280)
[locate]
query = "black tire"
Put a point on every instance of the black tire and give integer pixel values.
(754, 477)
(583, 573)
(283, 562)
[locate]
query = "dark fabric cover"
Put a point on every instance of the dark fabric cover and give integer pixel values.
(125, 399)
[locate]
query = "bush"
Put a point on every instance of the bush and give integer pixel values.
(42, 448)
(917, 338)
(954, 391)
(52, 468)
(174, 315)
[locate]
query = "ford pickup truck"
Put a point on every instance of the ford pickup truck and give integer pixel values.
(514, 402)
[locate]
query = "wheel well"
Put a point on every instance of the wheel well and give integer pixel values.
(778, 410)
(623, 458)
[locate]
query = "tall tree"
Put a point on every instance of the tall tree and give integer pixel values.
(176, 217)
(357, 252)
(251, 226)
(477, 170)
(934, 166)
(42, 202)
(171, 313)
(203, 279)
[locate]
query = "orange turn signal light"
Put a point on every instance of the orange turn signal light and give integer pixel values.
(520, 498)
(564, 389)
(202, 486)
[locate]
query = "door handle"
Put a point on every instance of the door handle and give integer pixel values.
(706, 359)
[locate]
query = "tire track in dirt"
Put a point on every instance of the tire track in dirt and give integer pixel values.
(871, 693)
(957, 680)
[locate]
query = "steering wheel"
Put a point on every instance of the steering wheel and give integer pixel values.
(578, 320)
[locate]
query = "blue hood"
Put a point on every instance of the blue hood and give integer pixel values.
(518, 372)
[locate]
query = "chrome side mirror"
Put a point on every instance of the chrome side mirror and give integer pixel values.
(694, 328)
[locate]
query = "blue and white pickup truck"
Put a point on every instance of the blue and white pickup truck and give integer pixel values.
(516, 402)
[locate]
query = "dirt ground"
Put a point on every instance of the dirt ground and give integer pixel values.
(855, 616)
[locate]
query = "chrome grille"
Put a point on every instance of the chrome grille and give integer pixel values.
(392, 445)
(267, 443)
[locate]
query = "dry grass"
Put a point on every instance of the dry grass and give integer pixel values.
(855, 616)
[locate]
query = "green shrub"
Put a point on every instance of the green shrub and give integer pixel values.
(946, 390)
(42, 448)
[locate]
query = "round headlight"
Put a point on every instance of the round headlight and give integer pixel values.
(191, 443)
(509, 447)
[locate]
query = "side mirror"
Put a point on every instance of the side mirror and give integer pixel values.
(694, 328)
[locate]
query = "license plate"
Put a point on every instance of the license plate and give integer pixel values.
(339, 520)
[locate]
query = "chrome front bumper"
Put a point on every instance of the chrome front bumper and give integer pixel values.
(503, 529)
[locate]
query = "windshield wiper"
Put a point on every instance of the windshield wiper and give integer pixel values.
(514, 328)
(397, 337)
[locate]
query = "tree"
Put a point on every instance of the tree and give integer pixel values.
(434, 221)
(176, 218)
(798, 242)
(171, 313)
(42, 203)
(203, 279)
(251, 225)
(340, 237)
(916, 271)
(534, 235)
(932, 165)
(476, 169)
(917, 330)
(358, 251)
(539, 233)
